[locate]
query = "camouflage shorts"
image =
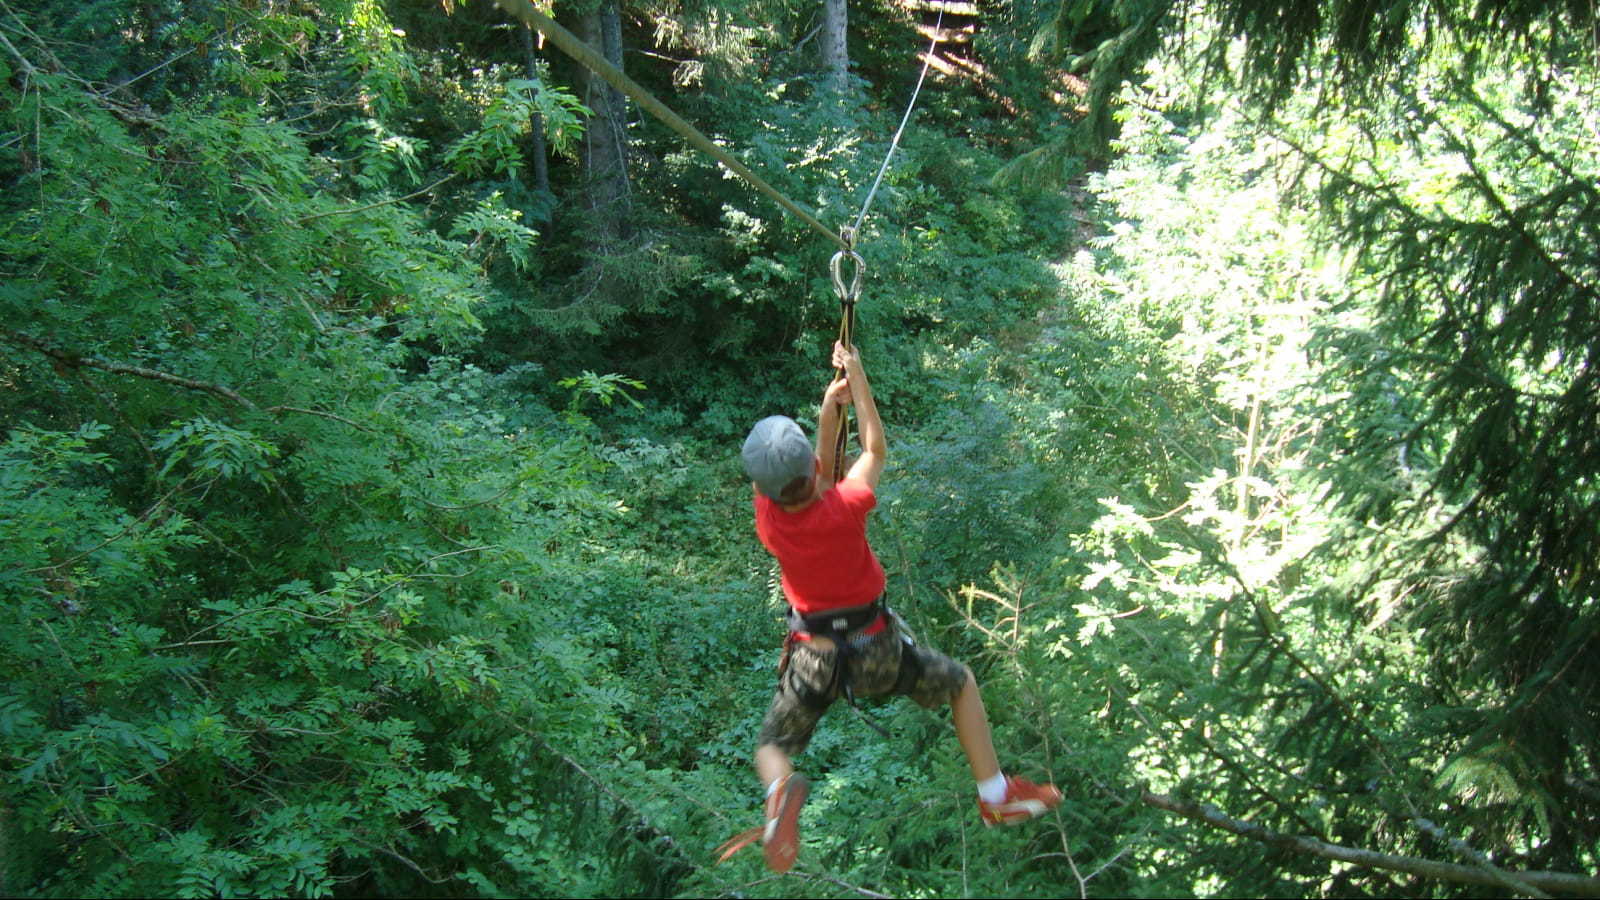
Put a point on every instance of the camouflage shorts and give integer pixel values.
(807, 685)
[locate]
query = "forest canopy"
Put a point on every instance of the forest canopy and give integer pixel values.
(372, 377)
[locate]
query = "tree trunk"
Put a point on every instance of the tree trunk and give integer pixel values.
(604, 141)
(835, 45)
(611, 46)
(539, 154)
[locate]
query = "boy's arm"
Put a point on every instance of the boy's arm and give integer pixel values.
(874, 446)
(828, 421)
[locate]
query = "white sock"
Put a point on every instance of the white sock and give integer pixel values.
(993, 790)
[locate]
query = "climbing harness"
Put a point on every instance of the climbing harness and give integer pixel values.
(851, 631)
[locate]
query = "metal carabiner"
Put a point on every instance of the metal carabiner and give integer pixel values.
(850, 295)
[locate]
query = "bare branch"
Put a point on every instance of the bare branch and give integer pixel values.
(317, 412)
(818, 876)
(409, 863)
(74, 361)
(355, 209)
(1531, 883)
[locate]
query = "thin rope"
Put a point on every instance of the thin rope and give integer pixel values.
(841, 441)
(927, 60)
(849, 290)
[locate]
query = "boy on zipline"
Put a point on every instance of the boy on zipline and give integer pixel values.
(842, 639)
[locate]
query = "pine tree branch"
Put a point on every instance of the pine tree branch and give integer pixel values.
(1273, 636)
(1387, 192)
(1533, 883)
(1512, 217)
(1232, 765)
(1467, 92)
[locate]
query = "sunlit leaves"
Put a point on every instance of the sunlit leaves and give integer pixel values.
(491, 226)
(495, 146)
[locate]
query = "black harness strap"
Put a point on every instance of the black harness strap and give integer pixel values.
(844, 628)
(910, 663)
(837, 624)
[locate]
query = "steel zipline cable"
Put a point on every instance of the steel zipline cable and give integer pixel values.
(848, 289)
(849, 293)
(927, 60)
(591, 59)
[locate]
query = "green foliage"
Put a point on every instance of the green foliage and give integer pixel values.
(272, 630)
(1254, 470)
(1110, 42)
(1481, 278)
(494, 226)
(1358, 477)
(1348, 51)
(215, 449)
(604, 388)
(495, 148)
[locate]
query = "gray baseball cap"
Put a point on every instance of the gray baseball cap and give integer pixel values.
(776, 453)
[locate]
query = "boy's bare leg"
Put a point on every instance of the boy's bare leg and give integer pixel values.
(773, 764)
(1002, 799)
(780, 837)
(972, 730)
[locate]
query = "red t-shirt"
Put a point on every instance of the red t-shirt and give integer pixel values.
(822, 549)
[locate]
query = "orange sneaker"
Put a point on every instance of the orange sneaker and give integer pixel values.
(1024, 800)
(781, 841)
